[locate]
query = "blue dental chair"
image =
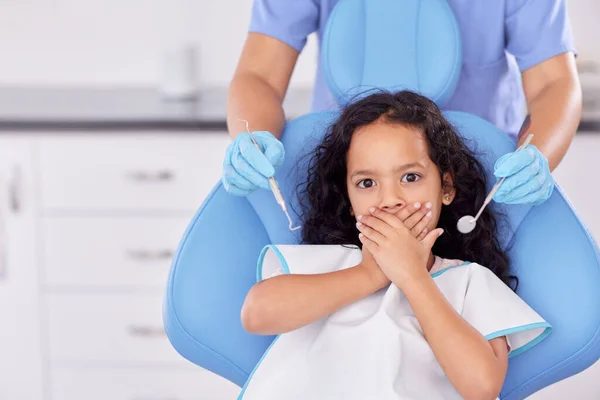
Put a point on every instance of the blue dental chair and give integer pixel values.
(556, 259)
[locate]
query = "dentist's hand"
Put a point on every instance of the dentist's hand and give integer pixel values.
(528, 181)
(245, 168)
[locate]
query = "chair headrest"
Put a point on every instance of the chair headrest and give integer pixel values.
(393, 45)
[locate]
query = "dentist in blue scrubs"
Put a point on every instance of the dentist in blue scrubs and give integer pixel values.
(518, 60)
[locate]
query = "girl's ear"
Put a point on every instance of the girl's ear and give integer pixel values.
(448, 190)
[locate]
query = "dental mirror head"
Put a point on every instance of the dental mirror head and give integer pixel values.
(466, 224)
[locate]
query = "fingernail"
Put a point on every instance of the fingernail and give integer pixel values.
(372, 209)
(358, 224)
(359, 217)
(360, 236)
(428, 214)
(417, 205)
(425, 230)
(428, 204)
(441, 232)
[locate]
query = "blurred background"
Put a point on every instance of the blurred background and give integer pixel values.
(112, 133)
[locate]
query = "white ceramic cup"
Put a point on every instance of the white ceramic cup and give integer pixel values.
(179, 73)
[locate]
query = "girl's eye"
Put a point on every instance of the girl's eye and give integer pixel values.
(410, 178)
(366, 183)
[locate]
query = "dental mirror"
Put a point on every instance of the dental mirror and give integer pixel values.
(467, 223)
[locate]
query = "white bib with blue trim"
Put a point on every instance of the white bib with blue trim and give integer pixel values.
(375, 348)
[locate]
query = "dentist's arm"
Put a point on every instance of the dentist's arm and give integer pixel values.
(259, 85)
(256, 95)
(553, 94)
(554, 103)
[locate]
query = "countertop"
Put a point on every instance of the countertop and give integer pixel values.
(135, 108)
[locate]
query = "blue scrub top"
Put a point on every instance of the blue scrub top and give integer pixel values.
(501, 38)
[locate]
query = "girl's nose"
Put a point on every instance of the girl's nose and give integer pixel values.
(392, 200)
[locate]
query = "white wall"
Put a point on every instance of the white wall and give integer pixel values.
(584, 17)
(120, 42)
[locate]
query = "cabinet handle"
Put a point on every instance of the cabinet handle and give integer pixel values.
(146, 331)
(145, 255)
(14, 190)
(147, 176)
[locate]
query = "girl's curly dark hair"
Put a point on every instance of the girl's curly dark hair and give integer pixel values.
(326, 217)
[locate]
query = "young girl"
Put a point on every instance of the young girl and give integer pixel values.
(385, 299)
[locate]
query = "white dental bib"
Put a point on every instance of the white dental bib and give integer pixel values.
(375, 348)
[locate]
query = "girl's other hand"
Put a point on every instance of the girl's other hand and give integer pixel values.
(401, 257)
(416, 216)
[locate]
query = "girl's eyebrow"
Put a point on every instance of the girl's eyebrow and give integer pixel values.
(397, 169)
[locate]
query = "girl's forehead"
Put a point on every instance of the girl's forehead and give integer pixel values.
(381, 140)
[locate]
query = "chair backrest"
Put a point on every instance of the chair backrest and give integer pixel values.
(389, 44)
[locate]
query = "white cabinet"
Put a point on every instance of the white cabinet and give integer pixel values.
(117, 329)
(89, 223)
(132, 172)
(113, 208)
(20, 334)
(118, 252)
(137, 384)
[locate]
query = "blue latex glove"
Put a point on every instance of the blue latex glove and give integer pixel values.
(528, 181)
(245, 168)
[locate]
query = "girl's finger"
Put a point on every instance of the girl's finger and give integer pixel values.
(370, 233)
(417, 230)
(431, 237)
(379, 224)
(417, 216)
(388, 218)
(407, 211)
(422, 234)
(368, 243)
